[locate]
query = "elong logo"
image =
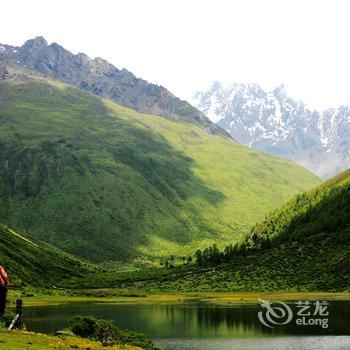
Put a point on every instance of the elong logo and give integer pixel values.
(274, 315)
(279, 313)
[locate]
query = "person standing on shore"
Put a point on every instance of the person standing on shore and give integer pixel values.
(3, 289)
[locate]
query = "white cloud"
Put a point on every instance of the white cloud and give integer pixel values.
(184, 45)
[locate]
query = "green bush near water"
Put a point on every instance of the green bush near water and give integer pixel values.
(106, 331)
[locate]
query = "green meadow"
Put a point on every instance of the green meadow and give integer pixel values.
(106, 183)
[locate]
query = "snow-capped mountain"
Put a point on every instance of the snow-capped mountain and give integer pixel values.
(273, 122)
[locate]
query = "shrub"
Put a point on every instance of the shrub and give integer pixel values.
(83, 326)
(104, 330)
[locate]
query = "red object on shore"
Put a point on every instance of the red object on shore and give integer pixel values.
(3, 277)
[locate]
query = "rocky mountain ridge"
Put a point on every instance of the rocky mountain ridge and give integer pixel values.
(101, 78)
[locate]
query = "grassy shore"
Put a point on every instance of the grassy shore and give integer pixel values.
(16, 340)
(216, 298)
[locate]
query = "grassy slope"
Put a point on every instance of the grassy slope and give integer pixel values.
(32, 263)
(304, 245)
(325, 209)
(107, 183)
(16, 340)
(308, 250)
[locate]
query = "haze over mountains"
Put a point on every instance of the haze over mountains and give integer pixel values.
(105, 182)
(273, 122)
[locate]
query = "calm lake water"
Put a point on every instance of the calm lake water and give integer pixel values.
(196, 326)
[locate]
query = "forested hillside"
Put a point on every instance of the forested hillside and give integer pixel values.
(323, 210)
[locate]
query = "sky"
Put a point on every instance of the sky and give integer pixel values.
(185, 45)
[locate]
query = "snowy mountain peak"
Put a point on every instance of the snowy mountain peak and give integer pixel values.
(273, 122)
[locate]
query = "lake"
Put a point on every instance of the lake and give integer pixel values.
(199, 326)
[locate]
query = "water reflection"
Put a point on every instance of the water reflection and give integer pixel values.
(185, 320)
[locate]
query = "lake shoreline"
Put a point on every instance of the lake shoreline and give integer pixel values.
(199, 297)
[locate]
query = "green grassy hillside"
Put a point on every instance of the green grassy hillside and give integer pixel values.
(323, 210)
(106, 183)
(302, 246)
(33, 263)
